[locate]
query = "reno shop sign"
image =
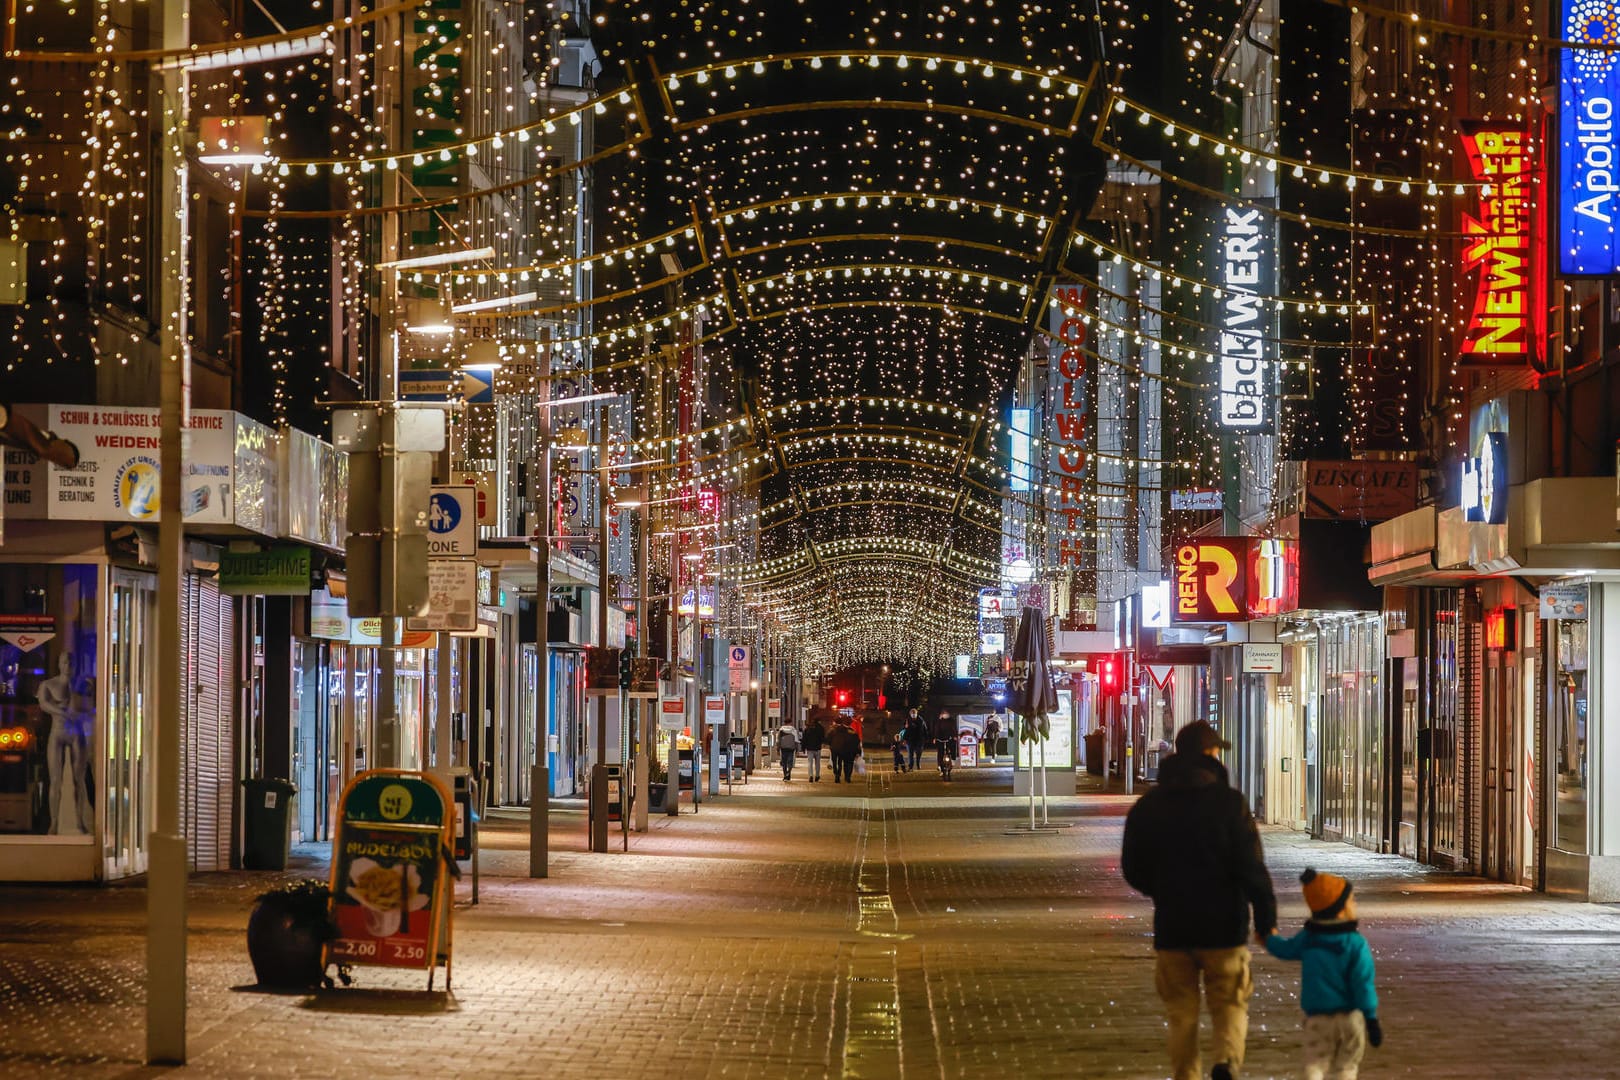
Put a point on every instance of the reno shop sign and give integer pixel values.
(1588, 169)
(1245, 374)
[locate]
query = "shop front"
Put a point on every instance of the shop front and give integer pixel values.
(78, 636)
(1496, 702)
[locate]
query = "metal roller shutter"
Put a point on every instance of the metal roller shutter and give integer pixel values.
(205, 804)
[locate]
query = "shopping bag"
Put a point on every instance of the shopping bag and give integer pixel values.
(860, 766)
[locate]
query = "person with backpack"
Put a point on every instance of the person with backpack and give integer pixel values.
(787, 743)
(811, 740)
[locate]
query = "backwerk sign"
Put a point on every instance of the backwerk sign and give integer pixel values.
(1245, 372)
(1588, 172)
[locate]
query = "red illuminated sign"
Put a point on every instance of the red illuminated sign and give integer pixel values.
(1234, 578)
(1499, 629)
(1070, 419)
(1499, 244)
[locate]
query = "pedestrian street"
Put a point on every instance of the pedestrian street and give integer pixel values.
(895, 927)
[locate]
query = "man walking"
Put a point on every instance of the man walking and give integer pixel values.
(787, 743)
(1191, 845)
(916, 740)
(810, 741)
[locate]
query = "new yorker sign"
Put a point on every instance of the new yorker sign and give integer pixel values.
(1499, 245)
(1245, 403)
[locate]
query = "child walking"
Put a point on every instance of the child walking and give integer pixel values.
(1336, 980)
(899, 747)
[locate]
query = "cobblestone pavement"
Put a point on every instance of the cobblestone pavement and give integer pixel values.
(894, 927)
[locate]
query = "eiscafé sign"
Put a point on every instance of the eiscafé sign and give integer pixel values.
(1360, 490)
(1233, 578)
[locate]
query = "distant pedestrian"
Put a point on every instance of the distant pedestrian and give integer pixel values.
(843, 747)
(1336, 980)
(787, 743)
(992, 732)
(899, 747)
(946, 743)
(916, 733)
(1192, 846)
(811, 740)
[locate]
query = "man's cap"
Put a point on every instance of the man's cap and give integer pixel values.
(1199, 737)
(1325, 894)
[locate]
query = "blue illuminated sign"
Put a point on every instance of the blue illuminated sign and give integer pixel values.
(1019, 432)
(1589, 156)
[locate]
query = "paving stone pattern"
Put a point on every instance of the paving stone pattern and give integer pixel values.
(896, 927)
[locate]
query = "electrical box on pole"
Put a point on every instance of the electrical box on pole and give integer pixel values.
(390, 492)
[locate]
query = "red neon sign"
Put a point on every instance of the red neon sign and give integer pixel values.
(1234, 578)
(1500, 245)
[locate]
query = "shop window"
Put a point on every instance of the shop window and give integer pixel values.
(47, 699)
(1569, 733)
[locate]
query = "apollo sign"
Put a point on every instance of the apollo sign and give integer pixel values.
(1245, 390)
(1588, 161)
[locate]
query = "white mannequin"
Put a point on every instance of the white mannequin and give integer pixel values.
(64, 755)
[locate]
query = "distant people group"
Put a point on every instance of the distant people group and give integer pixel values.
(842, 740)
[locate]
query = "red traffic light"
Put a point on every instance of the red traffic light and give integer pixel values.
(842, 697)
(1108, 673)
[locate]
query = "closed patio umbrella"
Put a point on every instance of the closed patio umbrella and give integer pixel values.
(1034, 696)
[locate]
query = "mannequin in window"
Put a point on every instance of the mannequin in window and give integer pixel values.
(64, 754)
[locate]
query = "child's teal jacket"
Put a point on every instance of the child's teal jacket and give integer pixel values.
(1337, 968)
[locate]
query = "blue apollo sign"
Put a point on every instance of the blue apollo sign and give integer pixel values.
(1589, 152)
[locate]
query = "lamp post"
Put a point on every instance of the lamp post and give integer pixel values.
(166, 847)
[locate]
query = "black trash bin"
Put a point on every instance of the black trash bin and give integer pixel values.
(1095, 752)
(266, 823)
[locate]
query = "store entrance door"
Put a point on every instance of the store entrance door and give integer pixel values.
(314, 753)
(131, 695)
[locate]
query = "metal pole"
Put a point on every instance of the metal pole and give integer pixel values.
(701, 723)
(166, 847)
(539, 775)
(386, 731)
(599, 770)
(644, 723)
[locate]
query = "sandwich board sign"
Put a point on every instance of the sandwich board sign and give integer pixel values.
(391, 870)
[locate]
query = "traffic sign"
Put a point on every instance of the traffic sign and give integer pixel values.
(477, 385)
(739, 657)
(452, 521)
(440, 384)
(427, 385)
(671, 714)
(714, 710)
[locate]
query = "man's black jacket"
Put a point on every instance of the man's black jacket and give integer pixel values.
(1191, 845)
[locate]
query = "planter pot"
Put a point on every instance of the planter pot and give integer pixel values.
(286, 944)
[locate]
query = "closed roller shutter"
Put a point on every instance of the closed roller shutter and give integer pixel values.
(206, 800)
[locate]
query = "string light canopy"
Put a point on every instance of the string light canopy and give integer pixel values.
(866, 219)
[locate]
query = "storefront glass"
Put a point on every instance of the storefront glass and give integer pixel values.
(1569, 734)
(314, 751)
(132, 664)
(1351, 654)
(48, 656)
